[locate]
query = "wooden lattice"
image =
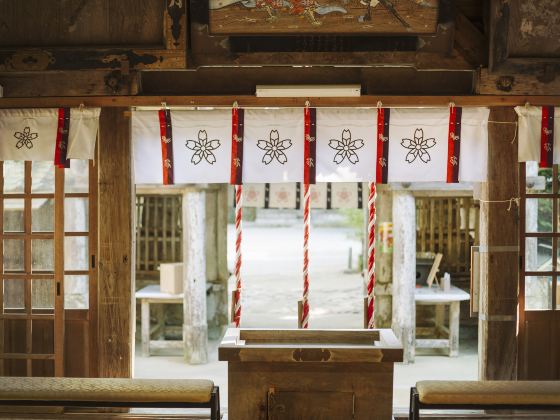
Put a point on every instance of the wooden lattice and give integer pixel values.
(159, 231)
(448, 225)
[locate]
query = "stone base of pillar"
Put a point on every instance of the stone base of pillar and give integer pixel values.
(195, 339)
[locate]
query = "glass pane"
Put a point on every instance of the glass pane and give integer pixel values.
(558, 293)
(538, 181)
(76, 292)
(538, 254)
(14, 176)
(42, 295)
(13, 215)
(76, 179)
(76, 253)
(76, 213)
(538, 292)
(42, 218)
(538, 215)
(42, 176)
(42, 255)
(42, 336)
(14, 295)
(13, 255)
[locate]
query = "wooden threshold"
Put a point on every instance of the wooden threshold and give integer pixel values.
(253, 101)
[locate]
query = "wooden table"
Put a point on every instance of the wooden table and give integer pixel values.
(153, 294)
(441, 299)
(304, 374)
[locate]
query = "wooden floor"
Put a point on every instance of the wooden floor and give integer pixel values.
(174, 415)
(481, 415)
(44, 414)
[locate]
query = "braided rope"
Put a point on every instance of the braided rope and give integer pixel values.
(371, 255)
(306, 205)
(238, 237)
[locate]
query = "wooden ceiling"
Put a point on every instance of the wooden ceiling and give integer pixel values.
(103, 47)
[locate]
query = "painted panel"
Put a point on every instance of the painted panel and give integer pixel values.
(254, 17)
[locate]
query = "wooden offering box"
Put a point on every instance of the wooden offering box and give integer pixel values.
(310, 374)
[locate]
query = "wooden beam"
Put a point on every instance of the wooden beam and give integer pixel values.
(516, 84)
(379, 81)
(64, 42)
(115, 245)
(417, 60)
(252, 101)
(75, 83)
(504, 37)
(35, 59)
(470, 42)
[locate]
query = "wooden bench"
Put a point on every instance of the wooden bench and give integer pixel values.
(484, 395)
(110, 392)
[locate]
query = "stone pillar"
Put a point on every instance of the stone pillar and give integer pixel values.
(404, 270)
(383, 261)
(217, 273)
(195, 327)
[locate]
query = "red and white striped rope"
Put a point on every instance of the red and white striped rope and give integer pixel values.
(305, 302)
(238, 238)
(371, 255)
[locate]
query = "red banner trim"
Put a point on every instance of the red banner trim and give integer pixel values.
(62, 132)
(237, 132)
(310, 146)
(166, 138)
(454, 144)
(547, 137)
(382, 164)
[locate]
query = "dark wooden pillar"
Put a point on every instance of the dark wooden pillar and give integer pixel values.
(499, 246)
(115, 245)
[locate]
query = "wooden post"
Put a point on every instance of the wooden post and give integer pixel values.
(116, 262)
(232, 306)
(454, 308)
(404, 271)
(499, 247)
(365, 313)
(299, 313)
(195, 327)
(145, 325)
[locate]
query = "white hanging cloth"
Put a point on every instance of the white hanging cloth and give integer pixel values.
(33, 134)
(273, 145)
(200, 143)
(323, 195)
(420, 145)
(539, 134)
(306, 145)
(346, 144)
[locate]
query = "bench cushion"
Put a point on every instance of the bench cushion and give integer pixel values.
(489, 392)
(106, 389)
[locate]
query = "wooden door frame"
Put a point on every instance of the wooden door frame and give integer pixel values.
(555, 269)
(28, 275)
(58, 236)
